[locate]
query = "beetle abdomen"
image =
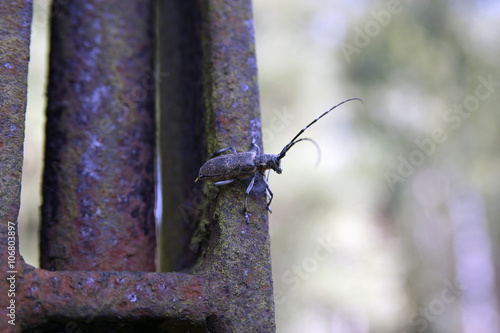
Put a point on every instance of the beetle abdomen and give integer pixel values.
(229, 166)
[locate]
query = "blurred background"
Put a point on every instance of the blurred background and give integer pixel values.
(396, 229)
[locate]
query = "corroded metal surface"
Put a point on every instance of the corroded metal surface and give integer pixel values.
(98, 186)
(120, 299)
(236, 254)
(15, 20)
(230, 287)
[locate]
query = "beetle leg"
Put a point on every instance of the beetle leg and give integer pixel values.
(247, 192)
(268, 190)
(255, 147)
(223, 150)
(222, 182)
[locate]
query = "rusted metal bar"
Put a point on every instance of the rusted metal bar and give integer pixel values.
(98, 183)
(236, 254)
(15, 21)
(105, 301)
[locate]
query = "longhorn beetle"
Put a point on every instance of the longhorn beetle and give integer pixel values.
(225, 169)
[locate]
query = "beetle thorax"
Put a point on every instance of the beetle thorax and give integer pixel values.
(268, 161)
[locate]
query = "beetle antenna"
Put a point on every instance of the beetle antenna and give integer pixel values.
(294, 141)
(314, 143)
(304, 139)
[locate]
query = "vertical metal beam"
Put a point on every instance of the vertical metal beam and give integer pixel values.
(236, 254)
(15, 22)
(207, 47)
(98, 182)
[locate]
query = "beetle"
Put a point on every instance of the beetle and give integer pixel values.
(224, 169)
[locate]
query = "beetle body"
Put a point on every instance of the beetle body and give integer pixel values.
(224, 169)
(237, 165)
(230, 166)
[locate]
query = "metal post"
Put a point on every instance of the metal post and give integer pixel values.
(98, 184)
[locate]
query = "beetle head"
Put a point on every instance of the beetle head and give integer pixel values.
(268, 161)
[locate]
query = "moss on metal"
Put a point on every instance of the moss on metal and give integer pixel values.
(237, 254)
